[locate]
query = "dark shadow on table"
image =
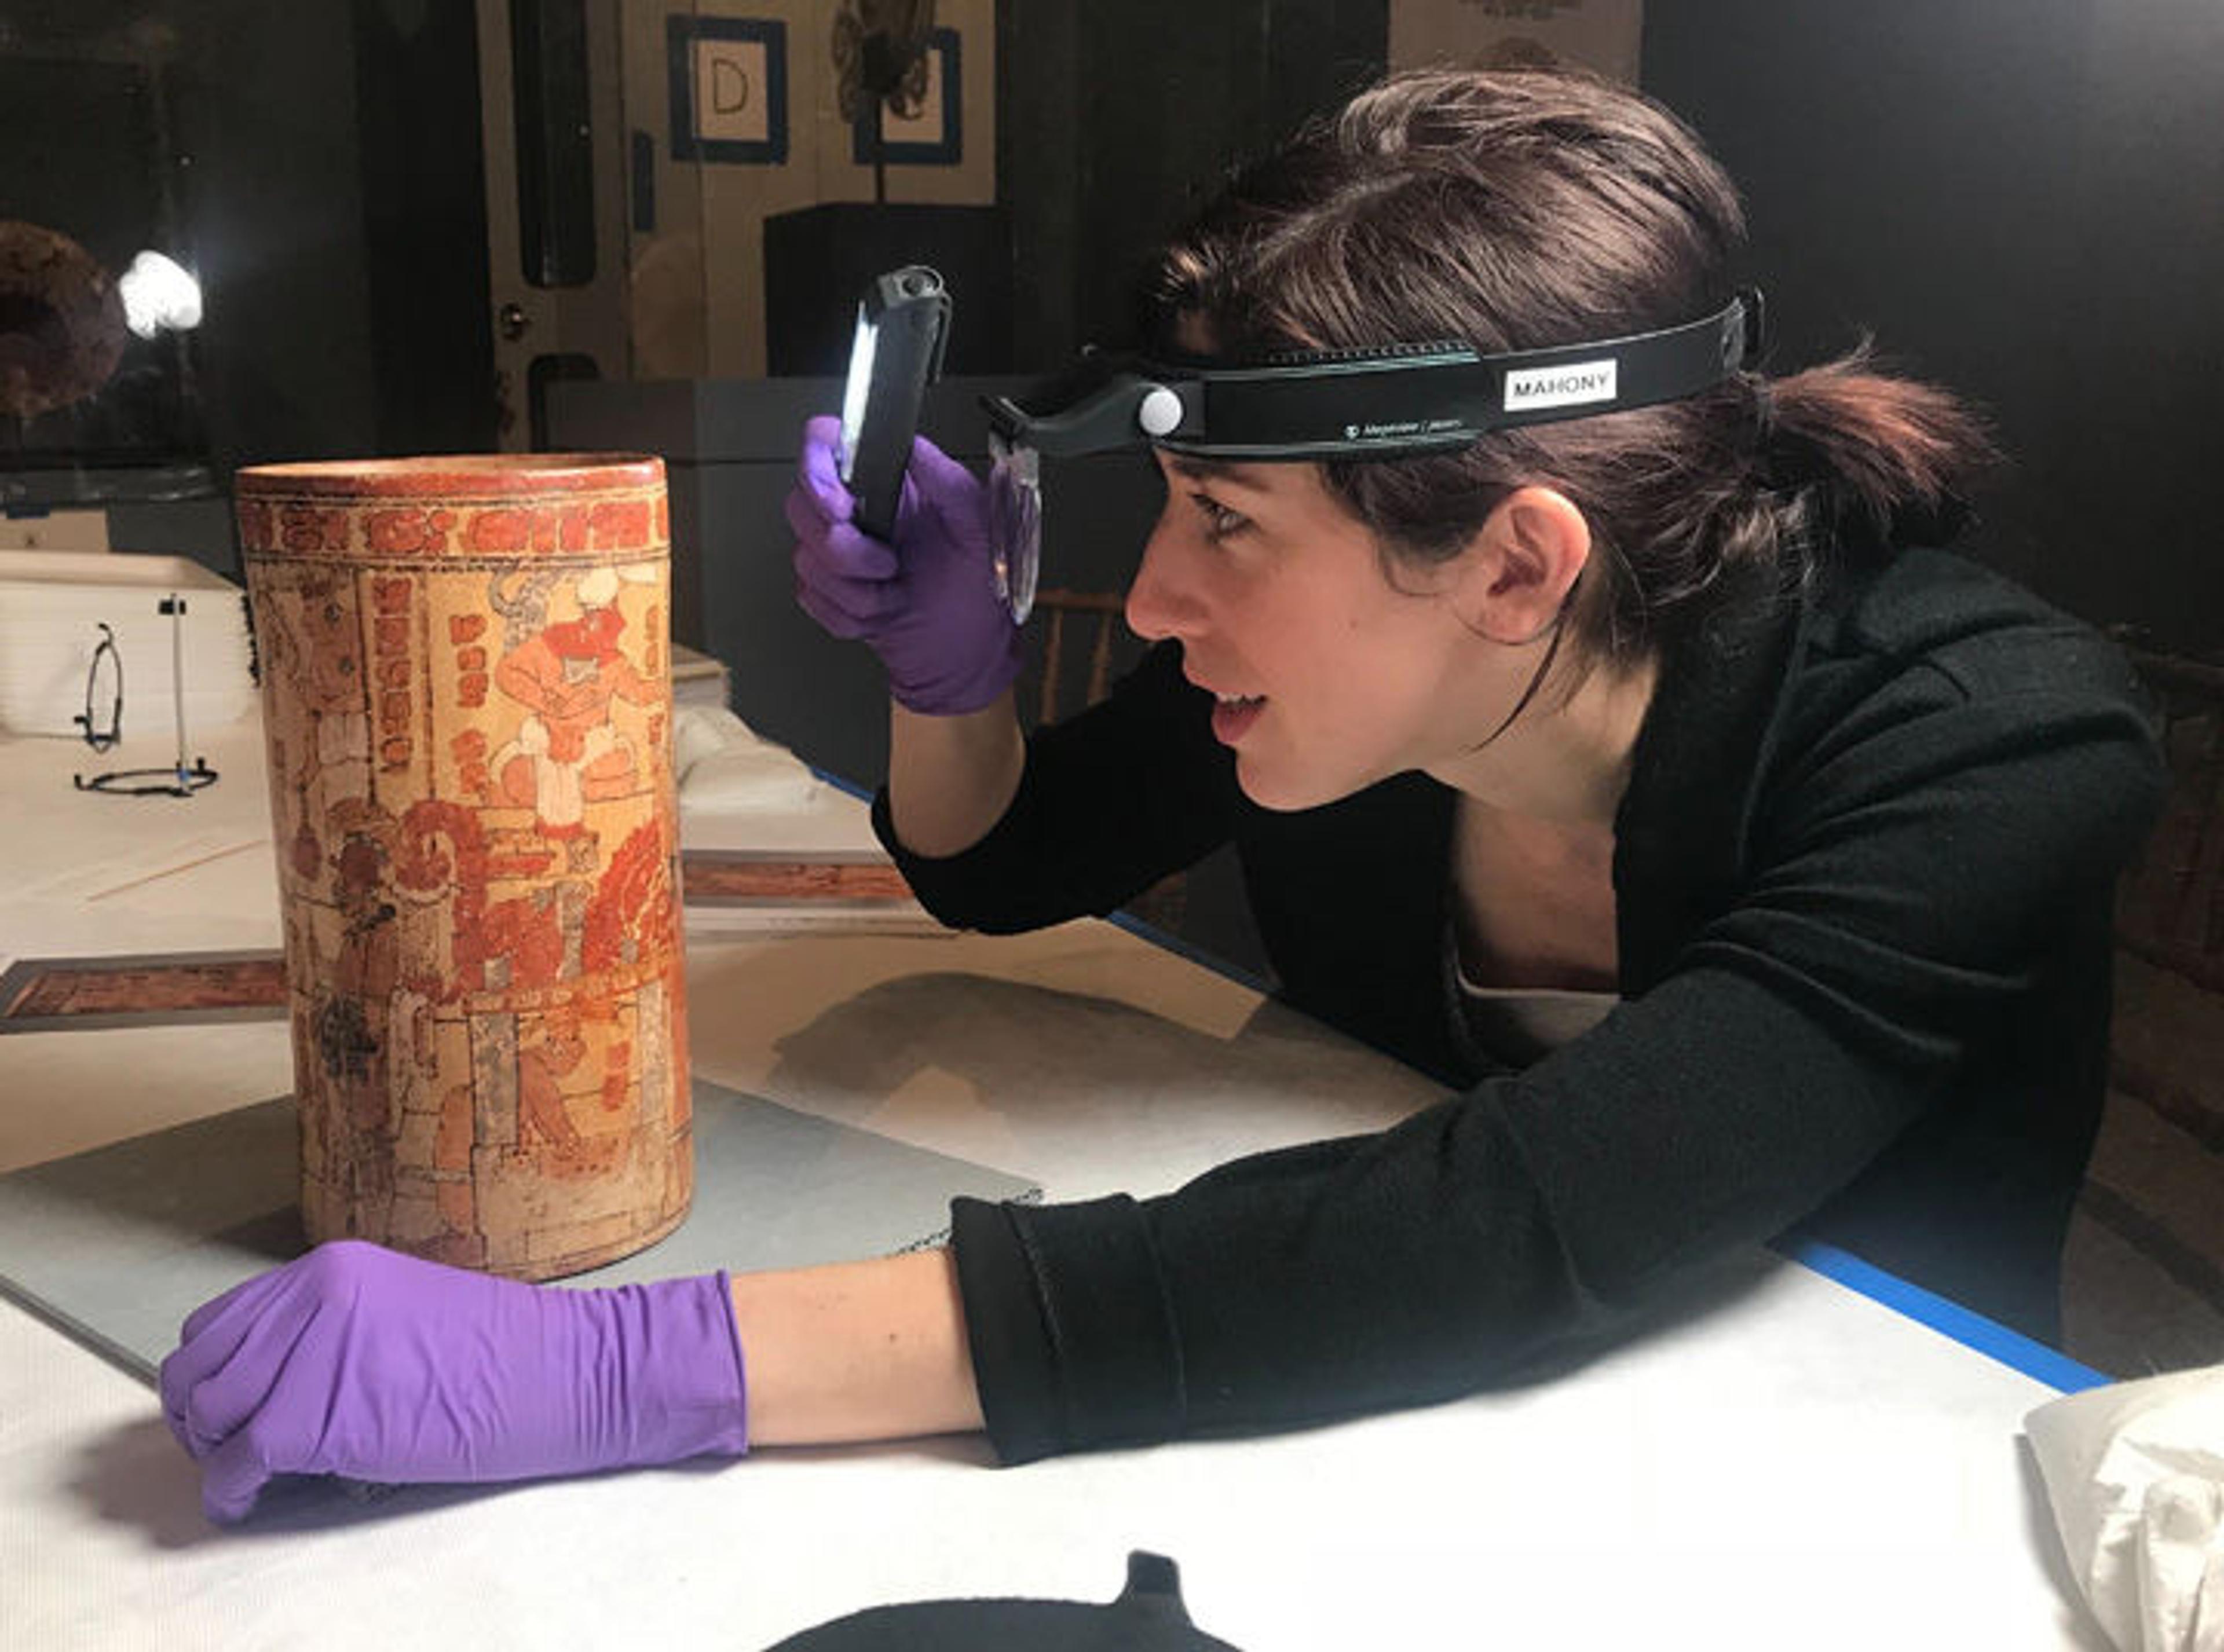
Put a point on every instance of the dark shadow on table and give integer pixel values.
(1037, 1051)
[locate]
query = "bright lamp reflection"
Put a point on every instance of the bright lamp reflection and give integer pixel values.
(158, 294)
(856, 390)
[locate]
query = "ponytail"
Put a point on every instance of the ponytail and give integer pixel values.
(1874, 444)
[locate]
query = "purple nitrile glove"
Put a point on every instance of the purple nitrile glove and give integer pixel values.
(359, 1361)
(927, 602)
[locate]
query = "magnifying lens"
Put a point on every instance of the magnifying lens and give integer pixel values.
(902, 323)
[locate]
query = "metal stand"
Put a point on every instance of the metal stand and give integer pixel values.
(180, 780)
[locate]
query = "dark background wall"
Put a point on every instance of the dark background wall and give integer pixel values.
(341, 224)
(1114, 120)
(2024, 198)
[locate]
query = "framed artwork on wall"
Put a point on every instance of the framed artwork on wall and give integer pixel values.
(728, 89)
(935, 134)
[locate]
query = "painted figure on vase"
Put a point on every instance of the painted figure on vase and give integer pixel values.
(567, 753)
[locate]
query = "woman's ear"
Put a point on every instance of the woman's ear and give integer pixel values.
(1516, 573)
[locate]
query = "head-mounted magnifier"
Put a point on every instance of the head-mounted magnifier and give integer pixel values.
(1395, 402)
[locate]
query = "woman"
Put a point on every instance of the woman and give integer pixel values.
(1742, 859)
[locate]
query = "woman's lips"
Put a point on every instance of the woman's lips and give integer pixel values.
(1233, 716)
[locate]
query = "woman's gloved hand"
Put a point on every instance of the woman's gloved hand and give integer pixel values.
(927, 604)
(358, 1361)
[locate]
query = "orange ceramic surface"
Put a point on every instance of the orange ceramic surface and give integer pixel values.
(469, 709)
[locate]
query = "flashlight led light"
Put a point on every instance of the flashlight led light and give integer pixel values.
(896, 355)
(856, 390)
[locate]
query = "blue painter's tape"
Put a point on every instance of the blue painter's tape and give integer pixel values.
(1971, 1329)
(842, 783)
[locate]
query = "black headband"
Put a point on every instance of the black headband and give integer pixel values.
(1405, 400)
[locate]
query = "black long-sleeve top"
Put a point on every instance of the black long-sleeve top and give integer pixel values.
(1863, 870)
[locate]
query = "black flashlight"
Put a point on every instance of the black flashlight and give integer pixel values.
(902, 323)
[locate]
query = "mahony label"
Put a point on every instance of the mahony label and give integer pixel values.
(1571, 384)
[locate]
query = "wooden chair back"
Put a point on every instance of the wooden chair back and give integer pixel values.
(2143, 1277)
(1085, 640)
(2171, 913)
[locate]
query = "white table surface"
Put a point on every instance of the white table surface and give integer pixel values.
(1795, 1466)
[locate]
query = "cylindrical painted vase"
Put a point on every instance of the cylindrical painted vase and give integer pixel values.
(467, 691)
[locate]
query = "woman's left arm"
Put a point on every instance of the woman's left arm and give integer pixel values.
(359, 1361)
(871, 1350)
(1901, 897)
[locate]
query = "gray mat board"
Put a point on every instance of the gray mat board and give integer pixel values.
(118, 1245)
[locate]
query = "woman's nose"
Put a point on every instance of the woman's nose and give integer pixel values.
(1159, 605)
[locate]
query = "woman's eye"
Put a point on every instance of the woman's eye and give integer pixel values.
(1219, 520)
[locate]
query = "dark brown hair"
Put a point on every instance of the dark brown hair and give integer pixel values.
(1521, 209)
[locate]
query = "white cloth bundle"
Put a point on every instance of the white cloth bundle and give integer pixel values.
(725, 766)
(2135, 1472)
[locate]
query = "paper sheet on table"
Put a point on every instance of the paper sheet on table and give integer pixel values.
(2135, 1472)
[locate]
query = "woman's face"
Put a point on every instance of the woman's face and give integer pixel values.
(1329, 678)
